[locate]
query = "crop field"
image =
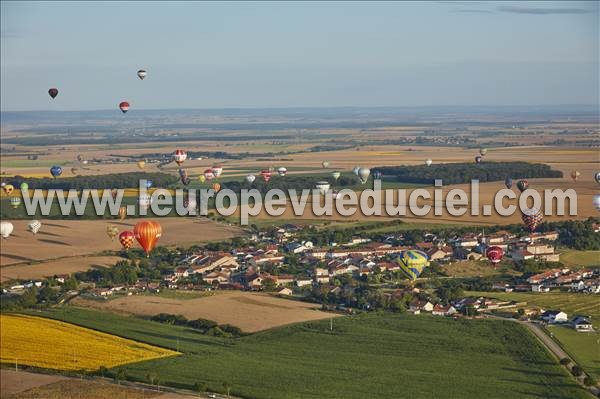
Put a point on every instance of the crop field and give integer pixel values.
(249, 311)
(65, 238)
(583, 347)
(374, 356)
(576, 259)
(50, 344)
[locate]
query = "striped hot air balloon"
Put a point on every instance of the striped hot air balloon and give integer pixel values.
(147, 234)
(15, 202)
(179, 156)
(412, 263)
(126, 239)
(494, 254)
(532, 217)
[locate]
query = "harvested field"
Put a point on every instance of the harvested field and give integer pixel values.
(249, 311)
(65, 238)
(12, 382)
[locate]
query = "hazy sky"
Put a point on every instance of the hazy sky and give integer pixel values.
(219, 55)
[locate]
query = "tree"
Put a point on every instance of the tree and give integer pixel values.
(200, 387)
(577, 371)
(102, 370)
(153, 379)
(227, 388)
(565, 361)
(589, 381)
(269, 285)
(120, 375)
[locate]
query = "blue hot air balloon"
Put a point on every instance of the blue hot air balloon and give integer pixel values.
(56, 171)
(148, 184)
(508, 182)
(412, 263)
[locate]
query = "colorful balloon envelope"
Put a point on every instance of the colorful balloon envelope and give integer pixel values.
(24, 186)
(322, 186)
(494, 254)
(363, 174)
(56, 171)
(478, 159)
(575, 175)
(186, 181)
(522, 185)
(122, 212)
(596, 201)
(336, 175)
(508, 182)
(53, 92)
(179, 156)
(250, 178)
(147, 234)
(202, 178)
(209, 175)
(428, 162)
(112, 231)
(282, 171)
(15, 202)
(142, 74)
(355, 170)
(597, 177)
(145, 201)
(325, 164)
(124, 106)
(8, 189)
(532, 217)
(412, 262)
(216, 187)
(483, 151)
(6, 229)
(141, 164)
(126, 238)
(34, 226)
(217, 170)
(266, 175)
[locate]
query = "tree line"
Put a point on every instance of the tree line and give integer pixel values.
(109, 181)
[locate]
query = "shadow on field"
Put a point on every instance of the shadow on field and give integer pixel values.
(56, 225)
(534, 372)
(174, 338)
(45, 233)
(17, 257)
(56, 242)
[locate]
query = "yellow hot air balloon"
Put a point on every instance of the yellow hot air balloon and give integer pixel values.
(202, 178)
(122, 212)
(112, 231)
(141, 164)
(8, 189)
(412, 263)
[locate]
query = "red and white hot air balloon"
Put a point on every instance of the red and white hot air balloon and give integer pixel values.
(209, 175)
(217, 170)
(494, 254)
(147, 234)
(124, 106)
(266, 175)
(179, 156)
(126, 238)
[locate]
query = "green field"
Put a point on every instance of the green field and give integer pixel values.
(368, 356)
(575, 259)
(570, 302)
(583, 347)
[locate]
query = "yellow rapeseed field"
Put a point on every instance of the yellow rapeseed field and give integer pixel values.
(46, 343)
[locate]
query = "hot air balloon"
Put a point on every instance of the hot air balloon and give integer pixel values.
(355, 170)
(122, 212)
(266, 175)
(141, 164)
(34, 226)
(282, 171)
(24, 186)
(494, 254)
(114, 192)
(478, 159)
(2, 184)
(85, 162)
(186, 181)
(575, 175)
(189, 204)
(217, 170)
(147, 234)
(53, 92)
(250, 178)
(532, 217)
(80, 157)
(596, 201)
(377, 175)
(202, 178)
(142, 74)
(148, 184)
(124, 106)
(112, 231)
(15, 202)
(325, 164)
(522, 185)
(508, 182)
(483, 151)
(363, 174)
(597, 177)
(126, 239)
(8, 189)
(56, 171)
(336, 175)
(412, 263)
(216, 187)
(323, 186)
(428, 162)
(145, 201)
(209, 175)
(74, 171)
(179, 156)
(6, 228)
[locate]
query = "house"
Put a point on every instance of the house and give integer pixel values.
(439, 310)
(285, 291)
(441, 253)
(539, 288)
(554, 317)
(424, 306)
(581, 324)
(303, 281)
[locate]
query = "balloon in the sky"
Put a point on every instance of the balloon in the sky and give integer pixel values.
(596, 201)
(250, 178)
(142, 74)
(412, 263)
(141, 164)
(202, 178)
(8, 189)
(15, 202)
(336, 175)
(494, 254)
(114, 192)
(34, 226)
(85, 162)
(363, 174)
(575, 175)
(147, 234)
(24, 186)
(478, 159)
(112, 231)
(532, 217)
(56, 171)
(508, 182)
(126, 239)
(428, 162)
(217, 170)
(145, 201)
(522, 185)
(325, 164)
(282, 171)
(122, 212)
(124, 106)
(216, 187)
(179, 156)
(355, 170)
(6, 228)
(80, 157)
(53, 92)
(597, 177)
(483, 151)
(186, 181)
(377, 175)
(209, 175)
(322, 186)
(266, 175)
